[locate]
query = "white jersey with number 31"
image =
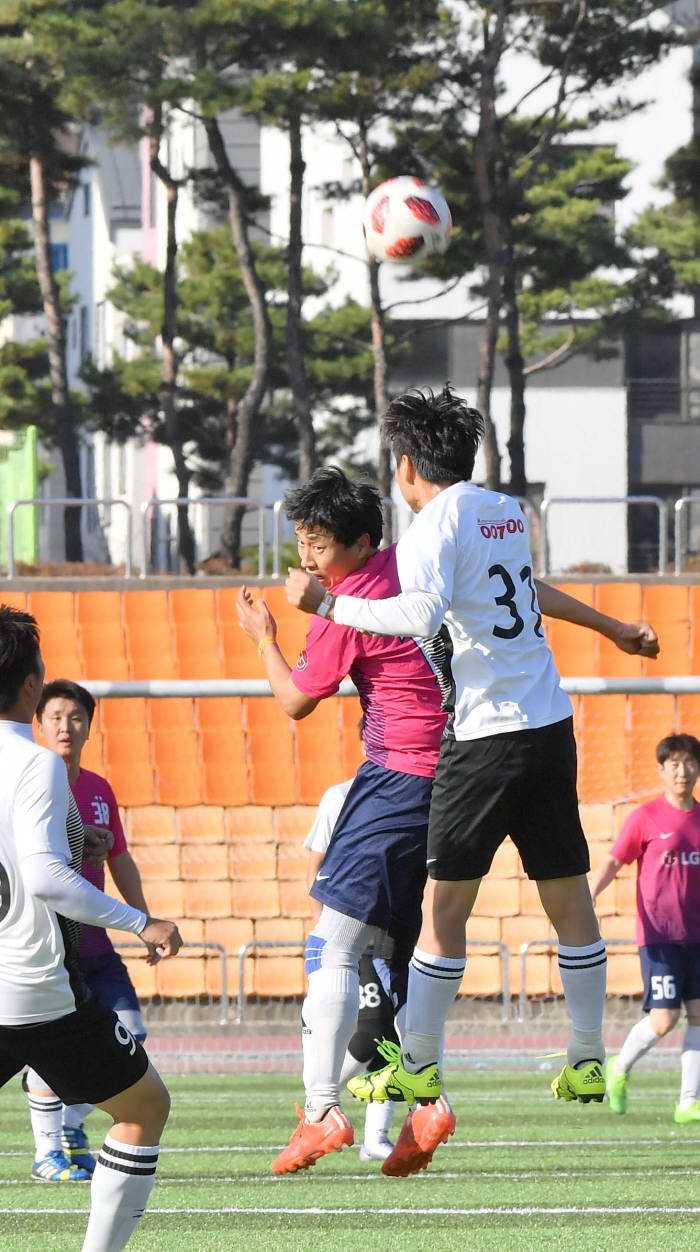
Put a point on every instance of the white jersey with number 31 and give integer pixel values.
(470, 548)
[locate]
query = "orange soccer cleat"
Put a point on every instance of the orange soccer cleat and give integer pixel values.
(312, 1140)
(424, 1128)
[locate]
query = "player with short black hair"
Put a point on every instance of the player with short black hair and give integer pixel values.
(64, 716)
(47, 1019)
(340, 506)
(507, 761)
(663, 837)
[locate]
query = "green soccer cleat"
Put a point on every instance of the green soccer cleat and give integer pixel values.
(393, 1082)
(684, 1117)
(616, 1087)
(584, 1083)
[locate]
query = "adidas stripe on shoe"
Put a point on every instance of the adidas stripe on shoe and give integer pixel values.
(584, 1083)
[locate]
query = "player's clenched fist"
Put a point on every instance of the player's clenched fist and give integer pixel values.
(303, 590)
(163, 937)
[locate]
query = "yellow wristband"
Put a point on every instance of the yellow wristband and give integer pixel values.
(264, 642)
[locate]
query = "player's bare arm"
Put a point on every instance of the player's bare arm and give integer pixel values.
(257, 621)
(603, 876)
(637, 638)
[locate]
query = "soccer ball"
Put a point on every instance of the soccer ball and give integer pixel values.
(406, 221)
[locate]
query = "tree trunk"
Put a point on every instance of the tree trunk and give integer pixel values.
(295, 353)
(242, 415)
(381, 395)
(171, 416)
(514, 365)
(66, 436)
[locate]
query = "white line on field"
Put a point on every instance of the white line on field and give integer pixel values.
(172, 1180)
(523, 1211)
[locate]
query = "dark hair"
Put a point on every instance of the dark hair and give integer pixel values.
(441, 434)
(335, 503)
(64, 689)
(19, 653)
(678, 743)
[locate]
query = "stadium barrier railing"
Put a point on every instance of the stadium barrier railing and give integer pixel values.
(72, 502)
(195, 948)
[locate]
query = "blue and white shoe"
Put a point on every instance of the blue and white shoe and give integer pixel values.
(75, 1146)
(55, 1167)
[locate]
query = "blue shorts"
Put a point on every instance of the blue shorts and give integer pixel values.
(374, 869)
(671, 973)
(108, 980)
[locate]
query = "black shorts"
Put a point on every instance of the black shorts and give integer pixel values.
(522, 784)
(86, 1057)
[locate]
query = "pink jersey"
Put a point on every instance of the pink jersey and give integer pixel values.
(665, 842)
(398, 690)
(98, 807)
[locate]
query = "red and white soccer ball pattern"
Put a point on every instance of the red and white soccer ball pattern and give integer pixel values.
(405, 221)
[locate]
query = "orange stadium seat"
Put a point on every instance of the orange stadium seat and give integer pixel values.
(122, 714)
(151, 653)
(61, 653)
(93, 753)
(177, 768)
(240, 657)
(688, 715)
(144, 610)
(319, 758)
(575, 649)
(256, 898)
(14, 600)
(152, 823)
(649, 719)
(203, 823)
(600, 734)
(226, 599)
(219, 714)
(183, 978)
(270, 753)
(130, 776)
(170, 713)
(97, 608)
(279, 976)
(196, 604)
(104, 652)
(666, 602)
(224, 767)
(197, 649)
(52, 608)
(623, 601)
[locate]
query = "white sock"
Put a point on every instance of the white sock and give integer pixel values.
(583, 975)
(640, 1040)
(690, 1067)
(433, 983)
(45, 1113)
(119, 1191)
(74, 1114)
(330, 1020)
(377, 1122)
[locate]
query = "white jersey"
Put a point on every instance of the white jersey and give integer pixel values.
(465, 562)
(36, 942)
(327, 814)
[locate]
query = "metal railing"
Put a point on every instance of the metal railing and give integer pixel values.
(550, 946)
(208, 948)
(209, 687)
(156, 502)
(251, 947)
(76, 502)
(679, 509)
(657, 501)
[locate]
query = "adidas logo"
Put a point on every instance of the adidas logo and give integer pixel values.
(594, 1075)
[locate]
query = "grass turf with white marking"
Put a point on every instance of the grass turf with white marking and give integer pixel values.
(523, 1171)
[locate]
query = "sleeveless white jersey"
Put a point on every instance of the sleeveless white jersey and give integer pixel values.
(468, 551)
(35, 945)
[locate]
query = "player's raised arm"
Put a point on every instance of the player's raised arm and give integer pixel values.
(257, 621)
(638, 638)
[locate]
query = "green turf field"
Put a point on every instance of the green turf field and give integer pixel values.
(523, 1173)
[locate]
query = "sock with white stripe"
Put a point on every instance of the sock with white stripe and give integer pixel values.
(119, 1191)
(640, 1040)
(583, 976)
(46, 1116)
(433, 983)
(690, 1067)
